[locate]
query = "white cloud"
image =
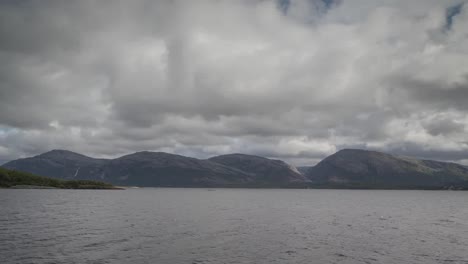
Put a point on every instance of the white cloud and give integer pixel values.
(211, 77)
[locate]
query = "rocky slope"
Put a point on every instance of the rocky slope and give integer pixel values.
(263, 170)
(370, 169)
(163, 169)
(348, 168)
(60, 164)
(160, 169)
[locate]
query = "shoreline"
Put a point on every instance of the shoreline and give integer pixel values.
(39, 187)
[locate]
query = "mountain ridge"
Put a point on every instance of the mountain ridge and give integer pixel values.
(146, 168)
(347, 168)
(351, 167)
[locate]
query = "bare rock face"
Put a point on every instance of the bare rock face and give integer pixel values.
(371, 169)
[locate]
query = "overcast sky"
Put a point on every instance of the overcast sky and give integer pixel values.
(295, 80)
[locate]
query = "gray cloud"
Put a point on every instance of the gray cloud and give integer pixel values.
(443, 125)
(294, 80)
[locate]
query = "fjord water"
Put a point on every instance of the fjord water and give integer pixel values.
(157, 225)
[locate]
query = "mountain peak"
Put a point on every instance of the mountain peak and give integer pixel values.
(269, 169)
(240, 156)
(61, 153)
(359, 151)
(359, 154)
(347, 168)
(367, 168)
(152, 155)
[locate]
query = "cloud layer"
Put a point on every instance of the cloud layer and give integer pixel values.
(295, 80)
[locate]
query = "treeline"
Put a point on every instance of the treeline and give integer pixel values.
(11, 178)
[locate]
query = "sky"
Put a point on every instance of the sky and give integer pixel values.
(294, 80)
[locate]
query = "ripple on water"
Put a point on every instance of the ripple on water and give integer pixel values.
(232, 226)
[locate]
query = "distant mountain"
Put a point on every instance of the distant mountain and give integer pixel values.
(163, 169)
(159, 169)
(303, 169)
(370, 169)
(262, 169)
(349, 168)
(60, 164)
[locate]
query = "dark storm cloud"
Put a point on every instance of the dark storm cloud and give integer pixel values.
(451, 12)
(434, 94)
(444, 126)
(294, 80)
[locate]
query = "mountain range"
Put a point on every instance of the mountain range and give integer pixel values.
(348, 168)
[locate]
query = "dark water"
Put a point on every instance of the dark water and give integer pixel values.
(233, 226)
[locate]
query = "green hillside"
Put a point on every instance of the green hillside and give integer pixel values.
(11, 178)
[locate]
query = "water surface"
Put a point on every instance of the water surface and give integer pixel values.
(233, 226)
